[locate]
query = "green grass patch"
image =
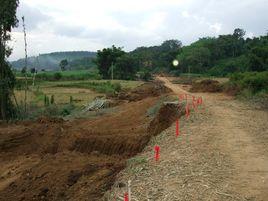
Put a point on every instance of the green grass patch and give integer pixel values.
(64, 75)
(101, 87)
(68, 75)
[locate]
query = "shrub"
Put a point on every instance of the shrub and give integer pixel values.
(57, 76)
(255, 82)
(117, 87)
(67, 110)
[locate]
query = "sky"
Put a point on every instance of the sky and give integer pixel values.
(62, 25)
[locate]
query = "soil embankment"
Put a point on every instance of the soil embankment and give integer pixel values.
(75, 160)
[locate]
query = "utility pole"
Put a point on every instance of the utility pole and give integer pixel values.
(26, 63)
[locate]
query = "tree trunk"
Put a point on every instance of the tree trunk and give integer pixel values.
(2, 86)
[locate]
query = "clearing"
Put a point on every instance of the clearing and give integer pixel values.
(52, 159)
(221, 154)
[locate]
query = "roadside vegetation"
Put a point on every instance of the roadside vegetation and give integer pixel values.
(249, 85)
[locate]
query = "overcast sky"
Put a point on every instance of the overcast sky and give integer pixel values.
(62, 25)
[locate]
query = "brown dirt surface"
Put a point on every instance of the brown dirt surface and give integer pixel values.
(52, 159)
(206, 86)
(152, 89)
(221, 154)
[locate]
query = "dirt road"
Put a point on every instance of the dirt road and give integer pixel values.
(221, 154)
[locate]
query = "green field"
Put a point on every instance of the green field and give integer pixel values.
(61, 97)
(81, 91)
(63, 75)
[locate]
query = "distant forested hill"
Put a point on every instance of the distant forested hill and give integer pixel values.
(51, 61)
(216, 56)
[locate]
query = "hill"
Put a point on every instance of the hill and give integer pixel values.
(51, 61)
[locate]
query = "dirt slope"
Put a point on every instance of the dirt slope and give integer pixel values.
(222, 154)
(52, 159)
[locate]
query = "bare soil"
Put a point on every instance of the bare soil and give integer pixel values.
(52, 159)
(221, 154)
(206, 86)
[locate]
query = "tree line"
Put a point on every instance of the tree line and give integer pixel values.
(115, 62)
(216, 56)
(225, 54)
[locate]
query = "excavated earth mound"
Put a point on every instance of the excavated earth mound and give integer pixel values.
(152, 89)
(52, 159)
(206, 86)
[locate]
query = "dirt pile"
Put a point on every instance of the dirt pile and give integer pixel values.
(76, 160)
(206, 86)
(152, 89)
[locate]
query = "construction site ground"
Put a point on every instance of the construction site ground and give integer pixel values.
(220, 154)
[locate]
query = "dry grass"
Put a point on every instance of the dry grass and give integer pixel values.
(188, 169)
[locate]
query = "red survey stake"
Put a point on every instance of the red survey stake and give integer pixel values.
(126, 197)
(177, 128)
(156, 152)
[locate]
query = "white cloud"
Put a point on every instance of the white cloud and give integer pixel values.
(216, 27)
(185, 14)
(154, 22)
(90, 25)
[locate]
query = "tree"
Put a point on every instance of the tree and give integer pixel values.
(8, 20)
(33, 70)
(57, 76)
(171, 45)
(23, 70)
(168, 51)
(106, 58)
(239, 33)
(63, 64)
(258, 58)
(157, 58)
(125, 68)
